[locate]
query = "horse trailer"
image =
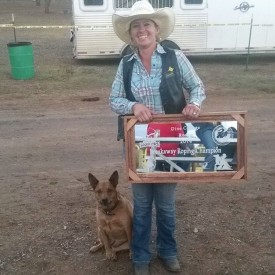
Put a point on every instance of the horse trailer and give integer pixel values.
(203, 27)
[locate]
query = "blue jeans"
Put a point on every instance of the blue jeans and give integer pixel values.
(163, 196)
(204, 133)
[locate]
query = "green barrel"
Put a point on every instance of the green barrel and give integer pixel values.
(21, 60)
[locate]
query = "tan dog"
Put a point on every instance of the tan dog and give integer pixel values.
(113, 215)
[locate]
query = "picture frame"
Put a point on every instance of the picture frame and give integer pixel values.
(171, 149)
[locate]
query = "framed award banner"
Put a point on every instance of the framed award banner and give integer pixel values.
(170, 148)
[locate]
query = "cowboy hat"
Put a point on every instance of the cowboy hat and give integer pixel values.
(164, 18)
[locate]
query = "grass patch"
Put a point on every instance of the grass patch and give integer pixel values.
(256, 79)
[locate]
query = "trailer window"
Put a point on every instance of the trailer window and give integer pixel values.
(193, 2)
(157, 4)
(93, 2)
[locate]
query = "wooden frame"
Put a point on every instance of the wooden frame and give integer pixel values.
(136, 175)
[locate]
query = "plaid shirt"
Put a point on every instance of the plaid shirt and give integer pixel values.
(145, 86)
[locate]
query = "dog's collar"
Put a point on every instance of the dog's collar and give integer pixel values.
(109, 212)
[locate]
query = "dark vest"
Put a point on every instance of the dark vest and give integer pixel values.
(171, 90)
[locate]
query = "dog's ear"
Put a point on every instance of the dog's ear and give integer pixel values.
(93, 180)
(114, 179)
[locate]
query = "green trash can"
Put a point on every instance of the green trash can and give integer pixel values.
(21, 60)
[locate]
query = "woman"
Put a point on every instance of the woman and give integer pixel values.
(143, 28)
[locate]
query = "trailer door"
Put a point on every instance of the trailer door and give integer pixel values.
(229, 24)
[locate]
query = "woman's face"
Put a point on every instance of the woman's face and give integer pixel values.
(143, 33)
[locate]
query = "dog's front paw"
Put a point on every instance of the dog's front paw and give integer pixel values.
(111, 255)
(96, 247)
(93, 249)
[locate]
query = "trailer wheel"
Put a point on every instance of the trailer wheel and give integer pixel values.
(169, 44)
(127, 50)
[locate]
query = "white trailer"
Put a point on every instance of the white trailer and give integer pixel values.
(203, 27)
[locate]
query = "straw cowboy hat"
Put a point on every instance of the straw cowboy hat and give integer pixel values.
(164, 18)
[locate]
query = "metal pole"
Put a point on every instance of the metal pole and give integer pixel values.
(248, 50)
(14, 33)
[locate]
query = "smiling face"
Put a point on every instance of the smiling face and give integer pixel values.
(144, 33)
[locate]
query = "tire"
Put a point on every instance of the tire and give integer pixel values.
(127, 50)
(169, 44)
(166, 43)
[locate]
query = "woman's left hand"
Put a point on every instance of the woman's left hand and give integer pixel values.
(191, 111)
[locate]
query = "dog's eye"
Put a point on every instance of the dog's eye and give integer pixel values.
(99, 192)
(109, 191)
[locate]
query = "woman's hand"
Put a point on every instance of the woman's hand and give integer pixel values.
(191, 111)
(142, 113)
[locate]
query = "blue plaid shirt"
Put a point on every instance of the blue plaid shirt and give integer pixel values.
(145, 86)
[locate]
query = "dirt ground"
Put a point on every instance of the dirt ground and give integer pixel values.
(50, 139)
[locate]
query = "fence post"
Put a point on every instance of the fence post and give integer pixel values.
(248, 49)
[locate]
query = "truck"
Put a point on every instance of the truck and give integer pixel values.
(203, 27)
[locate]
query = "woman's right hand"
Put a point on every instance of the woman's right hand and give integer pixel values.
(142, 113)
